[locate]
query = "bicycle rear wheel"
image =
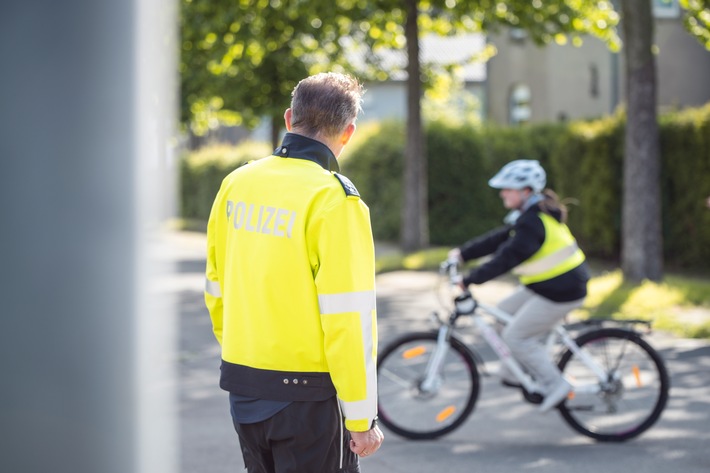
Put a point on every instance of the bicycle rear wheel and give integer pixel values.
(629, 400)
(408, 409)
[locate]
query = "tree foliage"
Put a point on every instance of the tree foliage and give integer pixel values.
(545, 21)
(697, 20)
(240, 59)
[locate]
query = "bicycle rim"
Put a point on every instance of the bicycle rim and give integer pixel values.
(405, 408)
(632, 398)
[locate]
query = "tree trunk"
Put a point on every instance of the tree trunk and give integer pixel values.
(642, 241)
(415, 222)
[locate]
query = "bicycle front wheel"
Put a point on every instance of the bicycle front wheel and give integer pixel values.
(631, 397)
(417, 410)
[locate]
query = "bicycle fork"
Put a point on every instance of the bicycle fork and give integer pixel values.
(431, 380)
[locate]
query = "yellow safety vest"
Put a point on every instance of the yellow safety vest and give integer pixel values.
(291, 286)
(558, 254)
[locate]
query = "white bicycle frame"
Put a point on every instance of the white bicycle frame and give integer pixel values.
(431, 381)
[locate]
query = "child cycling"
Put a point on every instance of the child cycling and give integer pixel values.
(539, 248)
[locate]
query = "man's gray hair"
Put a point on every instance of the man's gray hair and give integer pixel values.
(325, 104)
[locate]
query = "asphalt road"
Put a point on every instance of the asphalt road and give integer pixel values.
(504, 434)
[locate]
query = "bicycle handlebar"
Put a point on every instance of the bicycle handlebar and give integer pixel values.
(450, 267)
(465, 303)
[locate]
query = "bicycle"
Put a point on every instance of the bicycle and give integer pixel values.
(429, 382)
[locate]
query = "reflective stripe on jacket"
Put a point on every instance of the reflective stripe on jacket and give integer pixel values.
(558, 254)
(291, 282)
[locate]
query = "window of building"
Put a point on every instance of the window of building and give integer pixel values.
(593, 81)
(518, 34)
(666, 8)
(519, 104)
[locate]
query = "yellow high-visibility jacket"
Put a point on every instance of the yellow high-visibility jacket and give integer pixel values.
(291, 282)
(558, 254)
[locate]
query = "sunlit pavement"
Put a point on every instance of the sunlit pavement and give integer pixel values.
(503, 434)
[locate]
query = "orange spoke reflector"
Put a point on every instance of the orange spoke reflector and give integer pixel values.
(571, 379)
(637, 375)
(445, 414)
(413, 352)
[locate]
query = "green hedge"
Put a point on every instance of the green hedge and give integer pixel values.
(685, 144)
(460, 162)
(584, 161)
(202, 172)
(587, 168)
(374, 165)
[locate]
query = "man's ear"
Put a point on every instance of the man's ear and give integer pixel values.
(287, 119)
(347, 134)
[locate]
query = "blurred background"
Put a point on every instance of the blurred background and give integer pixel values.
(118, 120)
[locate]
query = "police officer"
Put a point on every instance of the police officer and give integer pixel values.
(291, 293)
(538, 246)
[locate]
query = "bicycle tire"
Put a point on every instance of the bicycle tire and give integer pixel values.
(404, 408)
(636, 392)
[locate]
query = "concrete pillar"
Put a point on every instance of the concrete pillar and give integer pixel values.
(87, 99)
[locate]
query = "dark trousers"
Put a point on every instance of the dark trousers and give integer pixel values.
(305, 437)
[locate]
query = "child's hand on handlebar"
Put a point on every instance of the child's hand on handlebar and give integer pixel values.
(455, 256)
(451, 266)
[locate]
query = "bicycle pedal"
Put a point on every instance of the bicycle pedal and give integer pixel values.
(532, 398)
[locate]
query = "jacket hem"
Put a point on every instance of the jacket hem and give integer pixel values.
(276, 385)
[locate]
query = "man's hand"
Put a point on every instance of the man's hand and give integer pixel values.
(366, 443)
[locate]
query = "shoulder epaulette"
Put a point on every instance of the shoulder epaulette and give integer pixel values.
(347, 185)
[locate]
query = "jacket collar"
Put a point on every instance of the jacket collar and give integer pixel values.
(533, 199)
(301, 147)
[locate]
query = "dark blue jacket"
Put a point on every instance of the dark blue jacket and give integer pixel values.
(511, 245)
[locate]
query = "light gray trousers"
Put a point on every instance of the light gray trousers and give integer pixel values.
(533, 317)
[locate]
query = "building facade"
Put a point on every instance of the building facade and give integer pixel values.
(530, 83)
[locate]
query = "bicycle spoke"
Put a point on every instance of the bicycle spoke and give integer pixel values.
(620, 357)
(398, 380)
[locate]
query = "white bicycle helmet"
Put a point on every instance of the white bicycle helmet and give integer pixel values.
(520, 174)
